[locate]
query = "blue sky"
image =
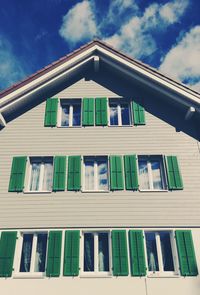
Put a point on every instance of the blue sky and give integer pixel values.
(164, 34)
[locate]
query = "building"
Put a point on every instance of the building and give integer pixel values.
(99, 179)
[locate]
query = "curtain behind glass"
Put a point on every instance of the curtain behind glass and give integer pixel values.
(143, 175)
(35, 177)
(65, 116)
(26, 253)
(88, 252)
(113, 115)
(48, 177)
(40, 256)
(151, 251)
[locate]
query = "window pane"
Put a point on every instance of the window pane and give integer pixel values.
(35, 176)
(113, 115)
(125, 114)
(156, 173)
(40, 256)
(88, 252)
(65, 115)
(143, 175)
(26, 253)
(102, 174)
(166, 248)
(48, 177)
(151, 251)
(103, 252)
(77, 115)
(89, 174)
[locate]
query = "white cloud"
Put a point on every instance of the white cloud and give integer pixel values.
(10, 68)
(79, 23)
(183, 60)
(135, 37)
(119, 7)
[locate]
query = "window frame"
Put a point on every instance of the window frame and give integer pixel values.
(149, 173)
(18, 255)
(70, 102)
(40, 159)
(83, 170)
(161, 272)
(95, 273)
(119, 102)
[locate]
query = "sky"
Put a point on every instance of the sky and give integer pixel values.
(164, 34)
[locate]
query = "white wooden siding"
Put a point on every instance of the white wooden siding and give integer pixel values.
(26, 135)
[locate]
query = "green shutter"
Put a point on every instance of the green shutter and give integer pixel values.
(7, 251)
(137, 256)
(54, 254)
(173, 173)
(59, 177)
(74, 173)
(186, 254)
(17, 174)
(51, 112)
(116, 173)
(101, 117)
(88, 112)
(138, 114)
(119, 253)
(131, 175)
(71, 256)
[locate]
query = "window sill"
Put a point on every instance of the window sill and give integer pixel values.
(163, 275)
(69, 126)
(95, 191)
(152, 190)
(120, 125)
(29, 276)
(96, 275)
(37, 192)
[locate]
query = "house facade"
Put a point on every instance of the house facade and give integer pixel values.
(99, 179)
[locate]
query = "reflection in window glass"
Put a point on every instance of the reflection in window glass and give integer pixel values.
(40, 257)
(143, 175)
(103, 252)
(26, 253)
(65, 115)
(35, 177)
(88, 252)
(70, 113)
(89, 174)
(151, 251)
(167, 258)
(48, 176)
(77, 115)
(125, 114)
(156, 173)
(113, 115)
(102, 174)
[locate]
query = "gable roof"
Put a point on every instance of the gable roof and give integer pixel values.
(99, 51)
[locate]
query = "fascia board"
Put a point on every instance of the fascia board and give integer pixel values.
(154, 77)
(43, 85)
(42, 79)
(2, 121)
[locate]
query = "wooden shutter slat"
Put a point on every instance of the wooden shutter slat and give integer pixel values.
(138, 114)
(51, 112)
(173, 173)
(131, 175)
(186, 253)
(116, 173)
(137, 256)
(71, 255)
(17, 175)
(54, 254)
(88, 112)
(7, 251)
(119, 252)
(101, 118)
(74, 173)
(59, 177)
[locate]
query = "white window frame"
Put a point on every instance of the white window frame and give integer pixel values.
(28, 176)
(161, 272)
(94, 158)
(18, 256)
(150, 174)
(70, 102)
(96, 272)
(119, 102)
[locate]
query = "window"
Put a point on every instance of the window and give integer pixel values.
(151, 173)
(160, 248)
(119, 113)
(33, 253)
(96, 173)
(96, 253)
(41, 174)
(70, 113)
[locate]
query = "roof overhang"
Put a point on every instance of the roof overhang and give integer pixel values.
(96, 54)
